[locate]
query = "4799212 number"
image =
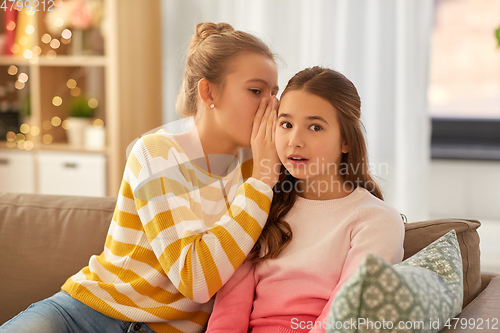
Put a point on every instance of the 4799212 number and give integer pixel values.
(472, 323)
(28, 5)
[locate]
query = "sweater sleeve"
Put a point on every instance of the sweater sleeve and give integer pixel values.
(233, 302)
(380, 232)
(198, 260)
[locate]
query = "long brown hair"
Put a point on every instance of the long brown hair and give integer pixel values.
(343, 95)
(211, 51)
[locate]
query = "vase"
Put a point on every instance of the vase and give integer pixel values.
(76, 130)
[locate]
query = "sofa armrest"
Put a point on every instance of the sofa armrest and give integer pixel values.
(485, 306)
(486, 279)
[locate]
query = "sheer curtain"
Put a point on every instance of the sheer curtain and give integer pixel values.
(383, 46)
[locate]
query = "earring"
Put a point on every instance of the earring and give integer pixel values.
(212, 106)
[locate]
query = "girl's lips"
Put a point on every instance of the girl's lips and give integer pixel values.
(297, 162)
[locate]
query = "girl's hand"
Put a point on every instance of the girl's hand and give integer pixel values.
(266, 164)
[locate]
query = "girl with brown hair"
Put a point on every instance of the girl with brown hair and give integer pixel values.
(327, 213)
(191, 206)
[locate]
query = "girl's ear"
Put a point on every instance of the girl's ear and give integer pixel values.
(345, 147)
(206, 92)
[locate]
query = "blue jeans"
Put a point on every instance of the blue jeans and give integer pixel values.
(62, 313)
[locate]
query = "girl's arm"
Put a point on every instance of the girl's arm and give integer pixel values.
(380, 233)
(198, 260)
(233, 302)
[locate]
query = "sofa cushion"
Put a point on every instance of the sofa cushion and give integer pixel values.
(44, 239)
(425, 290)
(420, 234)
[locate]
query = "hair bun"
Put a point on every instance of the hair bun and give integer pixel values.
(206, 29)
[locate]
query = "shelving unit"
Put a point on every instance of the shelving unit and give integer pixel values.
(124, 78)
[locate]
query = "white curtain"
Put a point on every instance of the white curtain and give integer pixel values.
(383, 46)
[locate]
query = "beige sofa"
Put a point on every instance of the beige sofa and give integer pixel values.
(44, 239)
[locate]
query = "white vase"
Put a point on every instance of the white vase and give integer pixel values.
(76, 130)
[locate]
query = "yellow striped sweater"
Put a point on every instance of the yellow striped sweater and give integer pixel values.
(177, 235)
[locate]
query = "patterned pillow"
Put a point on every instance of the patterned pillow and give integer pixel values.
(417, 295)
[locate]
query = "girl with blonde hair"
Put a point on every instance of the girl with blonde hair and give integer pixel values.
(191, 205)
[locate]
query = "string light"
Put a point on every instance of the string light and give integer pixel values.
(12, 70)
(51, 54)
(55, 121)
(25, 128)
(11, 26)
(20, 137)
(37, 50)
(23, 77)
(28, 54)
(71, 84)
(75, 92)
(46, 38)
(57, 101)
(29, 29)
(19, 85)
(93, 103)
(98, 123)
(55, 43)
(59, 22)
(11, 136)
(66, 34)
(28, 145)
(10, 144)
(66, 124)
(35, 130)
(47, 139)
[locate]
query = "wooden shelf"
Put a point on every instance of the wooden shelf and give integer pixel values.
(64, 147)
(61, 61)
(64, 60)
(127, 108)
(9, 60)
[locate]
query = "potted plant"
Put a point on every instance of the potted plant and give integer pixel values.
(80, 116)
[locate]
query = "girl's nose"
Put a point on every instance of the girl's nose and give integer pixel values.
(296, 140)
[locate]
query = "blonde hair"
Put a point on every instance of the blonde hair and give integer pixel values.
(210, 54)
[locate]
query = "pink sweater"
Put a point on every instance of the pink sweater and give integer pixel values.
(330, 239)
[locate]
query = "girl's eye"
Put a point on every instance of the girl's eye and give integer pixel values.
(316, 128)
(286, 124)
(255, 91)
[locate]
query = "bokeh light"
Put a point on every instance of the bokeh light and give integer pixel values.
(35, 130)
(55, 43)
(47, 139)
(29, 29)
(25, 128)
(46, 38)
(19, 85)
(71, 84)
(55, 121)
(57, 101)
(12, 70)
(11, 136)
(66, 124)
(66, 34)
(98, 123)
(93, 103)
(23, 77)
(75, 92)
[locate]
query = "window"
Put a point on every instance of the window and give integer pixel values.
(464, 91)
